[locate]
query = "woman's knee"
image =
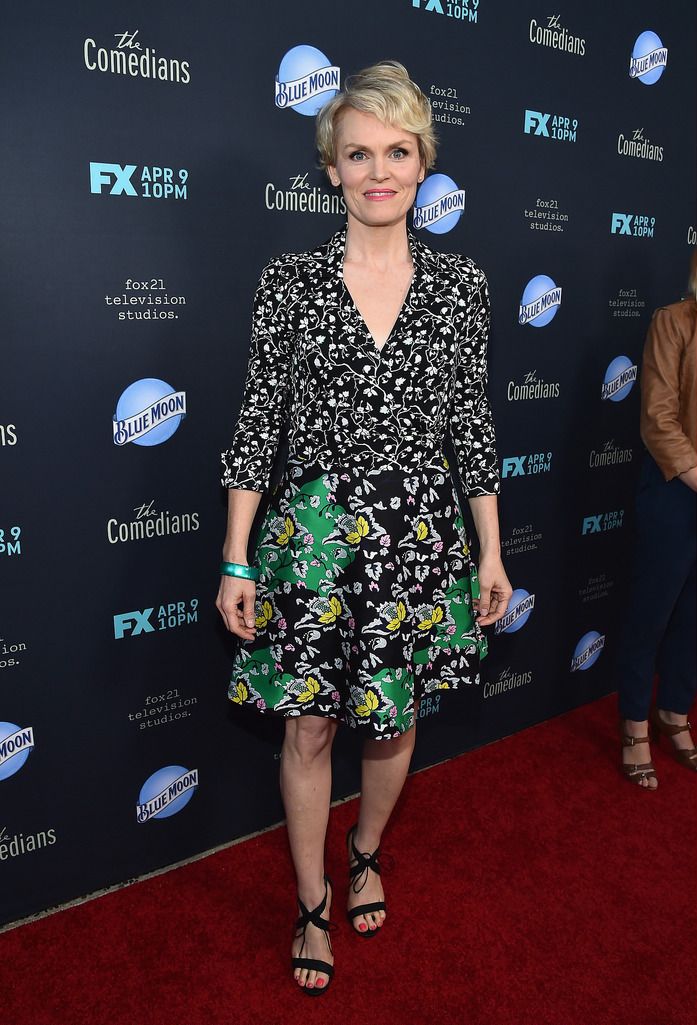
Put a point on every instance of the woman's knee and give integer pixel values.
(309, 736)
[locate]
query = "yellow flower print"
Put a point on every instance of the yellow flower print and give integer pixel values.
(333, 612)
(362, 527)
(371, 703)
(421, 531)
(285, 535)
(395, 623)
(242, 693)
(435, 617)
(312, 688)
(443, 685)
(446, 464)
(265, 616)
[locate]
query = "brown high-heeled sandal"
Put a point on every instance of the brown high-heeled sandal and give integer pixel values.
(633, 772)
(686, 756)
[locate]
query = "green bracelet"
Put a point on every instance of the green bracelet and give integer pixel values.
(238, 569)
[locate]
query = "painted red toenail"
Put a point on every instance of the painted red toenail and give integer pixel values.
(320, 982)
(363, 927)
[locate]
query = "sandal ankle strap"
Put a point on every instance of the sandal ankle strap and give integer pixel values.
(364, 861)
(628, 741)
(670, 728)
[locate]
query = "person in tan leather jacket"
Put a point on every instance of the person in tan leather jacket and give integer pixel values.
(658, 632)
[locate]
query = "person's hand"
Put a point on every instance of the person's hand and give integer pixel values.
(235, 603)
(494, 590)
(689, 477)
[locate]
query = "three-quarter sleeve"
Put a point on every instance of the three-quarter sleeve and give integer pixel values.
(471, 422)
(249, 460)
(662, 428)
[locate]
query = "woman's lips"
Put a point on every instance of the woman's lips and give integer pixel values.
(379, 195)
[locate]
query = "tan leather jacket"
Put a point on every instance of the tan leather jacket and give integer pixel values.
(669, 388)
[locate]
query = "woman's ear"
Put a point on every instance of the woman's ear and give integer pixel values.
(333, 176)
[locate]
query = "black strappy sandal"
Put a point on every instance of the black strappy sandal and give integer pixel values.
(310, 963)
(365, 861)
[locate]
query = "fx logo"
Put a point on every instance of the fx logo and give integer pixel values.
(102, 174)
(134, 623)
(591, 524)
(621, 224)
(514, 466)
(536, 123)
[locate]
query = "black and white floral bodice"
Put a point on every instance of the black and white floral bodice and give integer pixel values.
(313, 363)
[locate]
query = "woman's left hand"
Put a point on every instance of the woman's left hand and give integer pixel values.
(494, 590)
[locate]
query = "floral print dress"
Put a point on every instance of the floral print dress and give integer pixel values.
(364, 598)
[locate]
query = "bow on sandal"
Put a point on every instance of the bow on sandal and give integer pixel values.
(314, 916)
(364, 861)
(687, 756)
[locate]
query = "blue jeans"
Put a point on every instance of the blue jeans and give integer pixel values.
(658, 632)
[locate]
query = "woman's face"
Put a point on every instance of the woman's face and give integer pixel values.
(378, 167)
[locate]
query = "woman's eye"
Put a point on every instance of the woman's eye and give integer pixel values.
(400, 153)
(358, 153)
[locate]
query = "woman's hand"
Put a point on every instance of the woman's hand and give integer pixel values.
(235, 603)
(494, 590)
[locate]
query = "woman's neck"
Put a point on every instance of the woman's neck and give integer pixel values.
(380, 246)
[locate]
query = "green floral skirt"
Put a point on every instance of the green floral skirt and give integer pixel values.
(364, 599)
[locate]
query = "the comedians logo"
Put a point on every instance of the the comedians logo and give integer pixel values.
(507, 680)
(639, 225)
(540, 301)
(306, 80)
(520, 466)
(148, 413)
(167, 617)
(609, 455)
(587, 651)
(153, 182)
(649, 58)
(302, 198)
(16, 743)
(601, 522)
(8, 435)
(149, 522)
(530, 388)
(554, 35)
(128, 57)
(24, 843)
(519, 610)
(619, 379)
(550, 126)
(461, 10)
(635, 145)
(166, 792)
(439, 204)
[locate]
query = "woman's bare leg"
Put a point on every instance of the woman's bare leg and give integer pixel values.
(306, 783)
(384, 769)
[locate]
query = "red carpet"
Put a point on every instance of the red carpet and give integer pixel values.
(532, 886)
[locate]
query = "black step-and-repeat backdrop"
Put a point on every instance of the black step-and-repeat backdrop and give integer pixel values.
(155, 158)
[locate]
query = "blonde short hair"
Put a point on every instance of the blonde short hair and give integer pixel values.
(385, 90)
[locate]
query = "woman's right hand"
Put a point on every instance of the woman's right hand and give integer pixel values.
(235, 603)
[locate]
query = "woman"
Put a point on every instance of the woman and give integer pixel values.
(660, 634)
(365, 596)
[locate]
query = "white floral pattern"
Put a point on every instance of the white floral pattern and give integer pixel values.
(313, 363)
